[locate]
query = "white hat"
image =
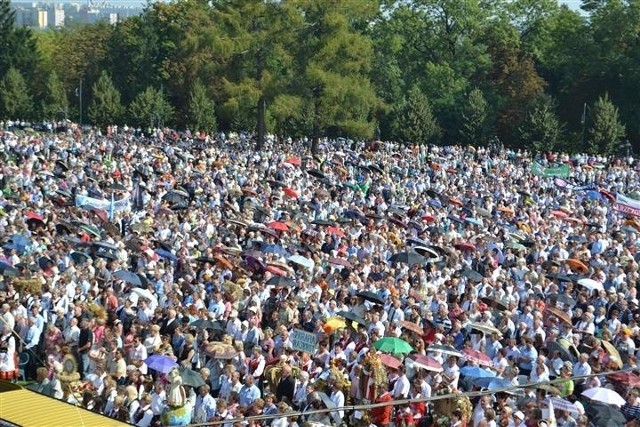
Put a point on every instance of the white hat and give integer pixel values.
(519, 415)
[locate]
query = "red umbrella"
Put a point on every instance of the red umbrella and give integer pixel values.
(340, 261)
(427, 363)
(609, 195)
(279, 226)
(390, 361)
(626, 378)
(428, 218)
(455, 201)
(559, 214)
(465, 246)
(290, 192)
(101, 214)
(34, 216)
(477, 357)
(294, 161)
(335, 231)
(276, 271)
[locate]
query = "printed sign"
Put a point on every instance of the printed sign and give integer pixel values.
(303, 341)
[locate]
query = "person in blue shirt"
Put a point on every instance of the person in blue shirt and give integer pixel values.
(249, 392)
(528, 356)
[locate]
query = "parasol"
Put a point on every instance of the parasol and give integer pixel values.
(477, 357)
(390, 361)
(146, 294)
(591, 285)
(349, 315)
(340, 261)
(392, 345)
(409, 257)
(562, 298)
(487, 329)
(561, 315)
(427, 363)
(128, 276)
(371, 297)
(476, 372)
(220, 350)
(160, 363)
(280, 281)
(411, 326)
(444, 349)
(614, 354)
(577, 265)
(604, 395)
(191, 378)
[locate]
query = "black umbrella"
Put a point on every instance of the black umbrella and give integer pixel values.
(376, 168)
(45, 262)
(494, 303)
(322, 222)
(62, 165)
(601, 415)
(563, 298)
(565, 354)
(205, 259)
(174, 197)
(279, 281)
(371, 297)
(102, 253)
(64, 228)
(559, 277)
(275, 183)
(79, 257)
(348, 315)
(106, 245)
(118, 187)
(409, 257)
(316, 174)
(471, 275)
(206, 324)
(8, 271)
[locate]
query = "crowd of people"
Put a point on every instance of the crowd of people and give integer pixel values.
(456, 268)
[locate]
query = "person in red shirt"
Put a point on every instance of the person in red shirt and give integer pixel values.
(381, 416)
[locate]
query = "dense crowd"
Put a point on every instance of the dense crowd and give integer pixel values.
(417, 272)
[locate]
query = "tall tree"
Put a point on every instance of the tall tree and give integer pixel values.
(201, 109)
(106, 107)
(541, 129)
(17, 47)
(54, 103)
(333, 61)
(15, 99)
(606, 132)
(151, 108)
(474, 119)
(415, 122)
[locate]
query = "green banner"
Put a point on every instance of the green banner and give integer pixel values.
(561, 171)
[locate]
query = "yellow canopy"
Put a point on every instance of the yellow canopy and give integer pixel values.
(29, 409)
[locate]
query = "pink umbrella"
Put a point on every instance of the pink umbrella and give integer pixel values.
(477, 357)
(427, 363)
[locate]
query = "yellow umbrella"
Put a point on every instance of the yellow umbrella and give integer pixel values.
(335, 323)
(614, 355)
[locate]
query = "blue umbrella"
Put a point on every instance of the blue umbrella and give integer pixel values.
(129, 277)
(17, 242)
(476, 372)
(160, 363)
(474, 221)
(436, 203)
(494, 247)
(274, 249)
(492, 383)
(163, 253)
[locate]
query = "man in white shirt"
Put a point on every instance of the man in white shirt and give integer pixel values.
(337, 397)
(402, 385)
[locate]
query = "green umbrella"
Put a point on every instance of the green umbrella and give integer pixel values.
(516, 246)
(191, 378)
(91, 230)
(392, 345)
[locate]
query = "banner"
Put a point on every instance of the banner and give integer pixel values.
(105, 205)
(303, 341)
(627, 205)
(561, 183)
(562, 171)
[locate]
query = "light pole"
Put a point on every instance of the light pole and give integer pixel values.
(79, 95)
(583, 121)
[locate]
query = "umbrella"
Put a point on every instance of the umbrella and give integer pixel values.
(163, 253)
(335, 231)
(8, 271)
(90, 229)
(614, 354)
(274, 249)
(444, 349)
(604, 415)
(316, 174)
(340, 261)
(427, 363)
(129, 277)
(559, 277)
(349, 315)
(488, 329)
(160, 363)
(392, 345)
(205, 259)
(390, 361)
(418, 242)
(79, 257)
(411, 326)
(516, 246)
(300, 260)
(105, 245)
(45, 262)
(561, 315)
(290, 193)
(206, 324)
(294, 161)
(146, 294)
(565, 353)
(471, 275)
(409, 257)
(335, 323)
(175, 196)
(17, 242)
(426, 252)
(476, 372)
(191, 378)
(591, 284)
(474, 221)
(627, 378)
(224, 262)
(577, 265)
(604, 395)
(477, 357)
(563, 298)
(492, 383)
(371, 297)
(279, 282)
(491, 302)
(220, 350)
(322, 222)
(279, 226)
(563, 405)
(465, 246)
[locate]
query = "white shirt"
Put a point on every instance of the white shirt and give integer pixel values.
(337, 398)
(401, 387)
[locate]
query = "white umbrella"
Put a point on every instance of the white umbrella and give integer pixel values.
(591, 284)
(146, 294)
(300, 260)
(604, 395)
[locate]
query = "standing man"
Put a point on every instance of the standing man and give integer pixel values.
(85, 341)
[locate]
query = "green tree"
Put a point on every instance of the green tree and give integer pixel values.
(415, 122)
(106, 107)
(541, 129)
(17, 47)
(201, 109)
(15, 99)
(474, 119)
(151, 108)
(333, 62)
(54, 102)
(606, 132)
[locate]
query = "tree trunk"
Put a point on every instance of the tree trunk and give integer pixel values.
(261, 107)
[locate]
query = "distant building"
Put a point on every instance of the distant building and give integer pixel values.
(47, 14)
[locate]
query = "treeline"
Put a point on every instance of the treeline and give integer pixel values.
(532, 73)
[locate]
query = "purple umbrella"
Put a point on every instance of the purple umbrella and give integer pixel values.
(254, 263)
(160, 363)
